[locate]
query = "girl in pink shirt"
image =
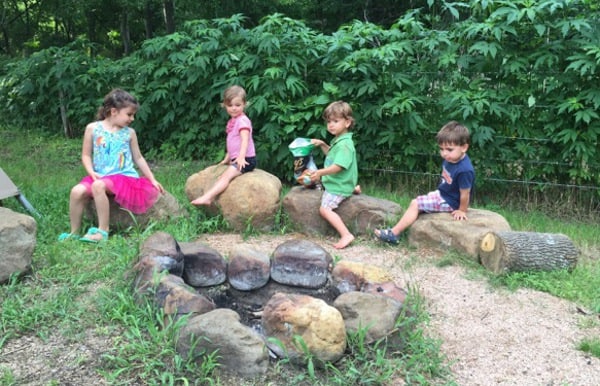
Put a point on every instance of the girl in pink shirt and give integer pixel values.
(241, 155)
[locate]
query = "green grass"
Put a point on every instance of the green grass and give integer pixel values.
(74, 287)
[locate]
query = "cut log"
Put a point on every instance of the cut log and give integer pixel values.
(508, 251)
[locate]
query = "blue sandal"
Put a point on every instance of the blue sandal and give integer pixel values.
(68, 236)
(94, 231)
(387, 236)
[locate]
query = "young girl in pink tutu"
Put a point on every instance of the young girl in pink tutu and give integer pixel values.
(110, 150)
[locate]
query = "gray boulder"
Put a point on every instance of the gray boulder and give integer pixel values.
(17, 242)
(301, 263)
(377, 314)
(239, 349)
(360, 213)
(248, 268)
(203, 265)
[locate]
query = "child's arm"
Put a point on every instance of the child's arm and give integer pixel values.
(86, 152)
(319, 143)
(332, 169)
(461, 212)
(225, 160)
(141, 163)
(241, 158)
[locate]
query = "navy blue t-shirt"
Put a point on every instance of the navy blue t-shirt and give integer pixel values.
(460, 175)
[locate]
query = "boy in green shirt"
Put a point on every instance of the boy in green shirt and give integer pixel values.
(340, 172)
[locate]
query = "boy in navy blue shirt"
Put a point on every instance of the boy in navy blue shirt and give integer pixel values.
(454, 191)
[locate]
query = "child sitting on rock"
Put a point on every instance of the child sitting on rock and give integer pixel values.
(454, 191)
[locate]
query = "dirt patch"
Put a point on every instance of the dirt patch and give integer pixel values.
(491, 336)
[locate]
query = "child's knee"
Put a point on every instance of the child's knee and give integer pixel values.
(324, 211)
(79, 191)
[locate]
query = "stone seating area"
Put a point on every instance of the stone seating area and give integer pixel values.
(253, 199)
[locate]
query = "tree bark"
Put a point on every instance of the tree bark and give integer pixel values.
(507, 251)
(169, 13)
(125, 33)
(63, 114)
(148, 20)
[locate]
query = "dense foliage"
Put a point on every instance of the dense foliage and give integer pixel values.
(522, 75)
(119, 27)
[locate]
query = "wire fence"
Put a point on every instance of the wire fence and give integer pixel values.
(556, 199)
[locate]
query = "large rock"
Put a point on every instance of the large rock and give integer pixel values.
(238, 348)
(158, 253)
(360, 213)
(17, 242)
(301, 263)
(250, 199)
(320, 327)
(354, 276)
(166, 250)
(203, 265)
(248, 268)
(440, 231)
(377, 314)
(166, 207)
(177, 299)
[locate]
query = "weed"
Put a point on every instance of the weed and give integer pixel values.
(591, 346)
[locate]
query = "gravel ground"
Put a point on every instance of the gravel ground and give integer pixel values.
(490, 336)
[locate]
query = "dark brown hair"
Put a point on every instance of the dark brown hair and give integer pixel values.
(453, 133)
(116, 99)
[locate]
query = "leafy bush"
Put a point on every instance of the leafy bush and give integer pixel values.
(520, 74)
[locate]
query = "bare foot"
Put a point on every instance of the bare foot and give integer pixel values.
(357, 190)
(201, 201)
(344, 242)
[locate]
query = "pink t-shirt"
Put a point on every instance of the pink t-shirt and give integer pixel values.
(234, 140)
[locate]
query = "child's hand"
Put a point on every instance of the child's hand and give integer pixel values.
(315, 176)
(241, 162)
(459, 215)
(317, 142)
(158, 186)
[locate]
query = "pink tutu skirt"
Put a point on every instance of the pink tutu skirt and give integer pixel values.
(136, 194)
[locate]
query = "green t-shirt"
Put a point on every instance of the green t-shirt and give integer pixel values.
(343, 154)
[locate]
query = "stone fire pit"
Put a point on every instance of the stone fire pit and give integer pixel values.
(254, 305)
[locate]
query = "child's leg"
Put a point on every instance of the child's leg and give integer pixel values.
(336, 221)
(408, 218)
(78, 198)
(100, 193)
(430, 202)
(329, 202)
(220, 185)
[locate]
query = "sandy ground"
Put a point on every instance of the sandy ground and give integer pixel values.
(491, 336)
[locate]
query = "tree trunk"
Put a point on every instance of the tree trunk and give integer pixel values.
(125, 36)
(148, 20)
(507, 251)
(63, 115)
(169, 13)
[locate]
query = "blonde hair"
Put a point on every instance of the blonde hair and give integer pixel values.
(339, 109)
(234, 92)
